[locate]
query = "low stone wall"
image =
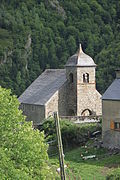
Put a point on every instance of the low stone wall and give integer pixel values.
(82, 119)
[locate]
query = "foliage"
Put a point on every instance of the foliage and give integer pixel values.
(23, 152)
(72, 134)
(41, 34)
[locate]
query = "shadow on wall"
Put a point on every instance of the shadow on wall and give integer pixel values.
(71, 112)
(111, 139)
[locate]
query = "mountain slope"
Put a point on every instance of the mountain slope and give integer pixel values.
(40, 34)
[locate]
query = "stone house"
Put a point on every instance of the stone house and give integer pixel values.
(70, 91)
(111, 114)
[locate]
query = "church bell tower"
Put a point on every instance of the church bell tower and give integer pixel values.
(82, 97)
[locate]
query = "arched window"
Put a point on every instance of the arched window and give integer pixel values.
(71, 77)
(86, 78)
(86, 112)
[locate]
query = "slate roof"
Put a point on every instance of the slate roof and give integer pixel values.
(80, 59)
(113, 91)
(42, 89)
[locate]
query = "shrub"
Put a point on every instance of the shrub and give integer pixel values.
(21, 147)
(72, 134)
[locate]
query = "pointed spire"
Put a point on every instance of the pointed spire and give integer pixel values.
(80, 50)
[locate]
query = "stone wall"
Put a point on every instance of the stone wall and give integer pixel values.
(88, 98)
(51, 105)
(71, 95)
(83, 70)
(81, 96)
(62, 100)
(87, 95)
(57, 103)
(111, 112)
(34, 113)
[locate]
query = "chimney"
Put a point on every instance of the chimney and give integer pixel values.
(117, 73)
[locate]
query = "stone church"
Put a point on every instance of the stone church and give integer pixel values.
(70, 91)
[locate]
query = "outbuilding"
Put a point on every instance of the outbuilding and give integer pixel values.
(111, 114)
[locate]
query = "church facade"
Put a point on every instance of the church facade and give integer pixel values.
(70, 91)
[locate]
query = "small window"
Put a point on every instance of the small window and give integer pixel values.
(86, 78)
(115, 126)
(71, 77)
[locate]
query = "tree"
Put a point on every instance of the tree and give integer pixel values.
(21, 147)
(71, 44)
(95, 24)
(7, 168)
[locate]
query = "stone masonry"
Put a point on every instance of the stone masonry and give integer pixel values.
(70, 91)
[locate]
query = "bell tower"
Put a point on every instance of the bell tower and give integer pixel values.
(82, 97)
(71, 88)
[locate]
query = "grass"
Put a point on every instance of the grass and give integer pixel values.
(92, 169)
(97, 168)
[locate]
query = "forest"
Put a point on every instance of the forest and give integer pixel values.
(40, 34)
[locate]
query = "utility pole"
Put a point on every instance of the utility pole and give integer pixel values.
(61, 155)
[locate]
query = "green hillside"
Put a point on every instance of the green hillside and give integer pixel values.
(40, 34)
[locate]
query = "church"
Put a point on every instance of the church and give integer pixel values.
(70, 91)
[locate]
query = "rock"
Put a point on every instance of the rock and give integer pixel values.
(89, 157)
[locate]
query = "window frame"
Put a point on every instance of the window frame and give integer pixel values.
(86, 78)
(115, 125)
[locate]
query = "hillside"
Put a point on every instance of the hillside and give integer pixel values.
(40, 34)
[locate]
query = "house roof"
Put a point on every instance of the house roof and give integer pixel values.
(113, 91)
(41, 90)
(80, 59)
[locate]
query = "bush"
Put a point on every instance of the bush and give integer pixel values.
(23, 152)
(72, 134)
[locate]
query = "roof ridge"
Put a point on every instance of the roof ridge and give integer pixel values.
(53, 69)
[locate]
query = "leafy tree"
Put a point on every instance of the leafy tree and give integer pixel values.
(71, 44)
(23, 152)
(95, 24)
